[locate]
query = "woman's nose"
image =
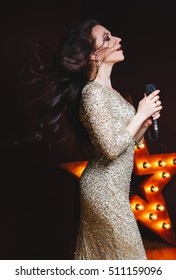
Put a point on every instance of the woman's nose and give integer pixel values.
(117, 39)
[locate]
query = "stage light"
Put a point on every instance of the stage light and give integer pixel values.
(139, 206)
(165, 174)
(146, 164)
(161, 163)
(140, 146)
(154, 189)
(160, 207)
(153, 216)
(166, 226)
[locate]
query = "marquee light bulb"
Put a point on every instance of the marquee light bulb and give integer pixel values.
(139, 206)
(154, 189)
(146, 164)
(140, 146)
(159, 207)
(166, 226)
(161, 163)
(165, 174)
(153, 216)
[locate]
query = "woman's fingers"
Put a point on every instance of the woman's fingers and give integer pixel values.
(156, 115)
(154, 97)
(153, 94)
(158, 102)
(150, 105)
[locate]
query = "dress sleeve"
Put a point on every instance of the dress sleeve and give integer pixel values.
(96, 117)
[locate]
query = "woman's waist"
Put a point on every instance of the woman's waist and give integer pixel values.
(115, 168)
(101, 160)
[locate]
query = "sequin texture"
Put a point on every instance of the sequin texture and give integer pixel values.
(108, 228)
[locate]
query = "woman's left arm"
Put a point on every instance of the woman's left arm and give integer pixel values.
(140, 134)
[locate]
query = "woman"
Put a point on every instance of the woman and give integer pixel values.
(108, 229)
(81, 83)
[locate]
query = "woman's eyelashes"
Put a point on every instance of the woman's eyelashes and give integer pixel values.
(106, 37)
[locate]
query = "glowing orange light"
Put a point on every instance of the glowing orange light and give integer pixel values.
(139, 206)
(146, 164)
(166, 226)
(153, 216)
(74, 168)
(165, 174)
(154, 189)
(161, 163)
(140, 146)
(160, 207)
(163, 168)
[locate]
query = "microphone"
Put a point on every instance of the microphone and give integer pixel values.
(149, 88)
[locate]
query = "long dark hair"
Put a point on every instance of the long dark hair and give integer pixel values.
(58, 85)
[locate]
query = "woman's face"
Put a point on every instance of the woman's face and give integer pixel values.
(107, 47)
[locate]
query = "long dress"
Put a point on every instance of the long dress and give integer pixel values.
(108, 228)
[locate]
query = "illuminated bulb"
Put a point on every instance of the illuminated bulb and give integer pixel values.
(140, 146)
(165, 175)
(146, 164)
(161, 163)
(139, 207)
(159, 207)
(153, 216)
(154, 188)
(165, 225)
(174, 161)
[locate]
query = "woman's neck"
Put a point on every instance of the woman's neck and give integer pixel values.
(104, 76)
(104, 81)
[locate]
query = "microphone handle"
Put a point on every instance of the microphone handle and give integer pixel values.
(155, 125)
(149, 88)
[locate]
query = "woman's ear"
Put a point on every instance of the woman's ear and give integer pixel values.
(93, 56)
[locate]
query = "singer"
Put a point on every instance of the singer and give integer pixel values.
(82, 66)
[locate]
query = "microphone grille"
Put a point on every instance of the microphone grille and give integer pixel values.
(149, 88)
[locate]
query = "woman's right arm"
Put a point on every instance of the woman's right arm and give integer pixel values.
(146, 109)
(97, 119)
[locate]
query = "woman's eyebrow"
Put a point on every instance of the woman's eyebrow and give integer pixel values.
(106, 33)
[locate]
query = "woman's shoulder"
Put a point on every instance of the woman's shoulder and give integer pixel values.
(91, 86)
(94, 90)
(93, 93)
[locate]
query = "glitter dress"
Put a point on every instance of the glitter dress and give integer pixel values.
(108, 228)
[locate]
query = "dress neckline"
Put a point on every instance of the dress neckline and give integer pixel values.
(102, 85)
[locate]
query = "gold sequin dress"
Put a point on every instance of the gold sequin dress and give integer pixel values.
(108, 228)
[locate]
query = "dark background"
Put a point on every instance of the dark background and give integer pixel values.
(39, 203)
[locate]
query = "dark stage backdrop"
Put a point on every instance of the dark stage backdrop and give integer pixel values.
(39, 202)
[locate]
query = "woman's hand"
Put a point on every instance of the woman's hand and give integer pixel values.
(149, 106)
